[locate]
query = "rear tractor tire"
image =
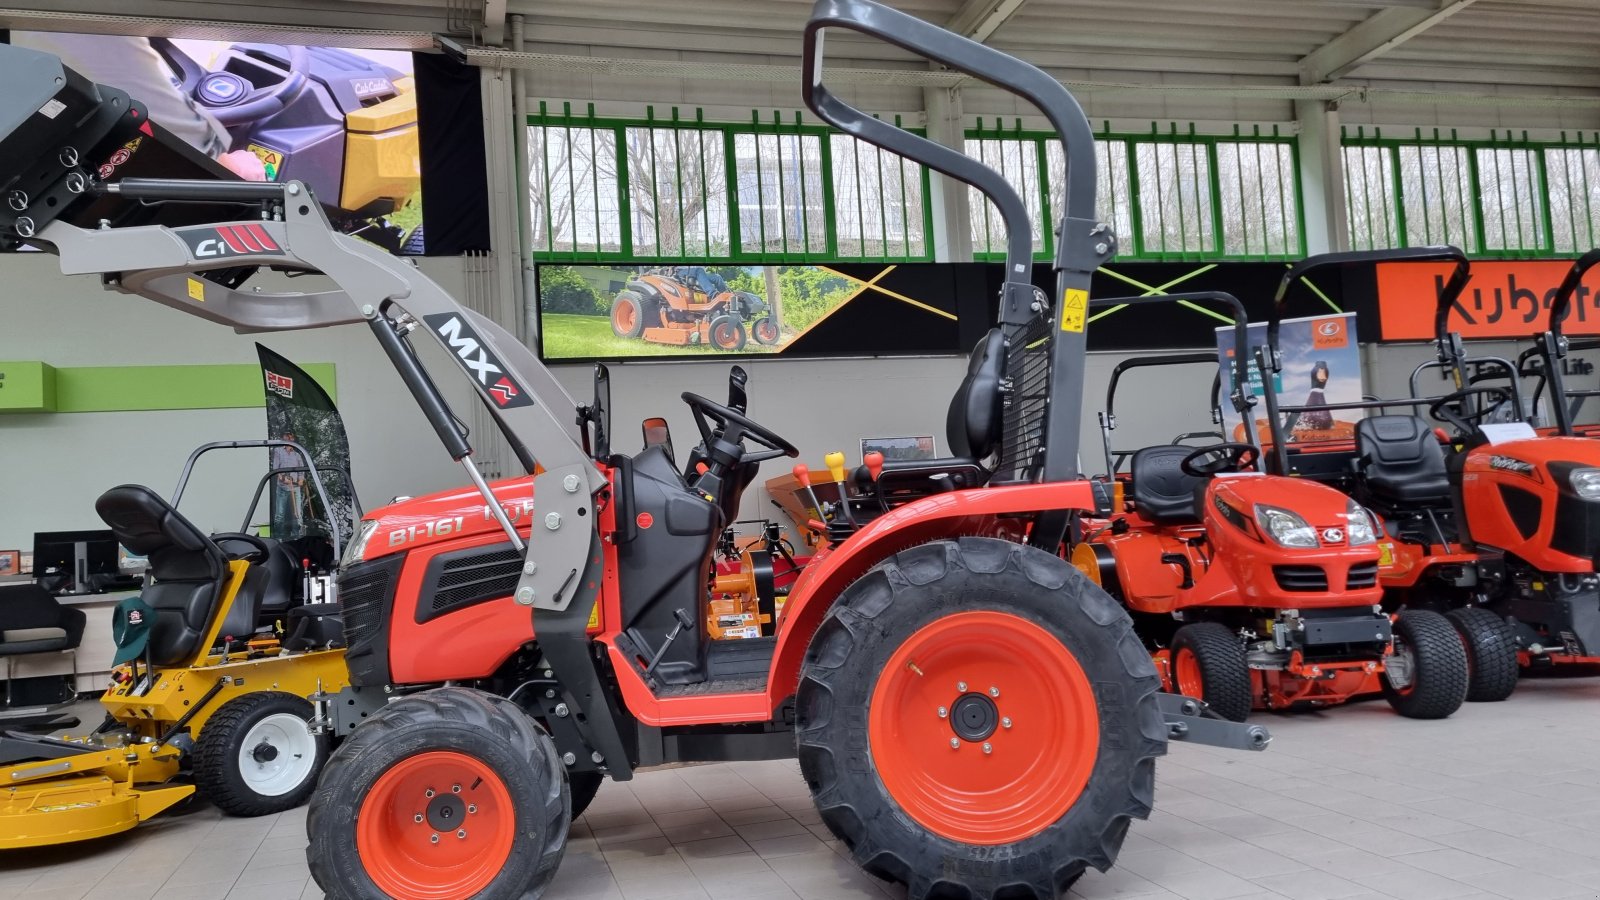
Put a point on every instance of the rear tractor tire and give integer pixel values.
(256, 756)
(1208, 663)
(632, 313)
(1491, 645)
(1426, 677)
(450, 792)
(977, 720)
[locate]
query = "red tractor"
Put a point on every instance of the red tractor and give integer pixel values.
(972, 715)
(1256, 591)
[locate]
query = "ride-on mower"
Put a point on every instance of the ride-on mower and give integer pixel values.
(687, 305)
(217, 659)
(1255, 590)
(973, 716)
(1495, 525)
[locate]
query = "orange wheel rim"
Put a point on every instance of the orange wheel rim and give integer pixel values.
(625, 316)
(766, 331)
(984, 728)
(1186, 672)
(724, 335)
(435, 826)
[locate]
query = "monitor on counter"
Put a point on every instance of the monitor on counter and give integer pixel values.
(76, 562)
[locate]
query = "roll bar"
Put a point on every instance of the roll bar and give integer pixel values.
(1084, 245)
(1240, 397)
(309, 468)
(1108, 417)
(1552, 347)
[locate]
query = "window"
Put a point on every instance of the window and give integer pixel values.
(879, 208)
(1175, 198)
(781, 208)
(1513, 204)
(1259, 204)
(1574, 176)
(572, 196)
(677, 192)
(1017, 159)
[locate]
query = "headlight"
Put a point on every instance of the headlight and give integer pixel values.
(1360, 528)
(1586, 483)
(1285, 527)
(356, 549)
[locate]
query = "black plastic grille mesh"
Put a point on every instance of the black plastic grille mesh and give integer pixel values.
(482, 576)
(363, 590)
(1027, 400)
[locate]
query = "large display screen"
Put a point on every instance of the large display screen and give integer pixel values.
(342, 121)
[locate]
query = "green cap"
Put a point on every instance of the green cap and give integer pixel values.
(130, 628)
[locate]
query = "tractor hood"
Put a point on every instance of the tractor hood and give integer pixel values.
(1246, 501)
(447, 515)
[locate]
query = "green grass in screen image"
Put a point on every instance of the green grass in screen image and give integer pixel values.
(569, 336)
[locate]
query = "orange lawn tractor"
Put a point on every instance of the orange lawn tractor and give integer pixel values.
(691, 306)
(972, 715)
(1256, 591)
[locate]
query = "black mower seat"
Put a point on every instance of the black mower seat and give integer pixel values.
(1162, 492)
(1402, 460)
(187, 569)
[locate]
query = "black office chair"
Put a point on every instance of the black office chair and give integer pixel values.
(34, 621)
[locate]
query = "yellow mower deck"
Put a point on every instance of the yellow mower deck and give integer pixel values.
(111, 789)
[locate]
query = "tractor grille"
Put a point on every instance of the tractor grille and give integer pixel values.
(466, 577)
(1301, 578)
(1027, 401)
(366, 599)
(1362, 576)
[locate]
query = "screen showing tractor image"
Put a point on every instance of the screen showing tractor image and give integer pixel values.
(609, 312)
(342, 121)
(1321, 366)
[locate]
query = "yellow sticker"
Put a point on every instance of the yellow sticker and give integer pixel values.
(1073, 307)
(271, 160)
(594, 616)
(197, 290)
(1385, 554)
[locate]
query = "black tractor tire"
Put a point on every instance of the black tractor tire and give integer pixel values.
(628, 315)
(584, 786)
(1438, 682)
(766, 332)
(922, 591)
(1224, 676)
(1491, 645)
(726, 333)
(283, 765)
(492, 733)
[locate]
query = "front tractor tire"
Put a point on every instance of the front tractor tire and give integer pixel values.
(1208, 663)
(1426, 676)
(450, 792)
(977, 720)
(257, 756)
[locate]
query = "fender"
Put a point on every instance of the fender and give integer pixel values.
(974, 512)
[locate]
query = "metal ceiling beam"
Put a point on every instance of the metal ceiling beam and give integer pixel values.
(494, 21)
(1373, 37)
(979, 19)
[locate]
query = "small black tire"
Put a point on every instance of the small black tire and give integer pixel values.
(766, 332)
(726, 333)
(255, 756)
(923, 591)
(457, 722)
(1436, 685)
(627, 315)
(1223, 675)
(1491, 645)
(584, 786)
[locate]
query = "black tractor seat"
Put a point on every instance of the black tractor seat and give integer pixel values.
(1162, 492)
(1402, 462)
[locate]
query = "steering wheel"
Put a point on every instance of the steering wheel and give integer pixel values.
(1228, 456)
(734, 427)
(231, 99)
(260, 551)
(1441, 409)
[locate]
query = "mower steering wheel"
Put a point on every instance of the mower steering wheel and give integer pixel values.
(734, 426)
(1441, 409)
(258, 103)
(1228, 456)
(260, 551)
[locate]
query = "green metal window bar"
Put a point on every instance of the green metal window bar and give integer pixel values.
(1170, 195)
(682, 189)
(1504, 197)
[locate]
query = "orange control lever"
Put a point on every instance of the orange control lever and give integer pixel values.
(874, 463)
(802, 474)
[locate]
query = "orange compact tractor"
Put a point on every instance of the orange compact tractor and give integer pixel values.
(690, 305)
(973, 716)
(1255, 590)
(1493, 523)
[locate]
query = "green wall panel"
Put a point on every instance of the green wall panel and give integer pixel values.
(27, 387)
(139, 388)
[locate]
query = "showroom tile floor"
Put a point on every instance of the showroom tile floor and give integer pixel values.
(1502, 800)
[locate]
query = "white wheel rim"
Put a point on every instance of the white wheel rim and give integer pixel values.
(1402, 666)
(277, 755)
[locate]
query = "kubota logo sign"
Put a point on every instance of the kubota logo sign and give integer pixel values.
(475, 356)
(1328, 334)
(1502, 299)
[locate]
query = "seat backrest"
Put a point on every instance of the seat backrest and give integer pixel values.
(1162, 492)
(187, 570)
(973, 424)
(1402, 458)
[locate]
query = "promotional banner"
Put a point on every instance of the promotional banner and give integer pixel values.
(299, 410)
(1502, 300)
(342, 121)
(1321, 365)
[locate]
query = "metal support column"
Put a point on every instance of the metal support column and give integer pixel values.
(952, 213)
(1322, 177)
